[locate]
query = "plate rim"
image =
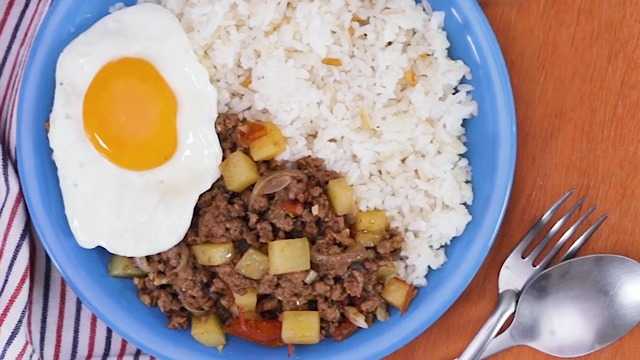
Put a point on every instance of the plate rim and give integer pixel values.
(507, 167)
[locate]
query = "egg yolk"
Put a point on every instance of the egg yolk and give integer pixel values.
(129, 115)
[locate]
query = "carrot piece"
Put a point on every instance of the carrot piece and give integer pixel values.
(251, 131)
(247, 81)
(292, 207)
(410, 77)
(332, 61)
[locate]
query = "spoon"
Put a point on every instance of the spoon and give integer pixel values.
(576, 307)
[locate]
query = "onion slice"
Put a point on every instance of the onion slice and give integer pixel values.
(142, 263)
(196, 312)
(328, 262)
(275, 181)
(356, 317)
(382, 314)
(184, 257)
(312, 275)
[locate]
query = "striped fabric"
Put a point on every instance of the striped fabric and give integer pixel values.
(40, 317)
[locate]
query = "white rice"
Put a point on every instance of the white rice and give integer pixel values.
(410, 164)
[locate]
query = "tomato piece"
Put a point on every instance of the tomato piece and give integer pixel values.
(251, 131)
(263, 332)
(292, 207)
(290, 348)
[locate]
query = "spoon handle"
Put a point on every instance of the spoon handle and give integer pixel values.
(504, 308)
(499, 343)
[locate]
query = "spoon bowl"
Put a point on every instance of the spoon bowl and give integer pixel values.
(576, 307)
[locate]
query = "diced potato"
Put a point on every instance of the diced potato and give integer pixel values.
(341, 196)
(372, 220)
(369, 238)
(208, 331)
(268, 146)
(123, 267)
(239, 171)
(213, 254)
(248, 315)
(301, 327)
(248, 301)
(398, 293)
(253, 264)
(289, 255)
(387, 270)
(370, 227)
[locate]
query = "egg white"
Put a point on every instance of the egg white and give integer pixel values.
(133, 213)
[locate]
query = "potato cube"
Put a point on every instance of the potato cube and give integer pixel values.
(208, 331)
(239, 171)
(341, 196)
(253, 264)
(387, 270)
(269, 146)
(289, 255)
(398, 293)
(370, 227)
(248, 301)
(372, 220)
(213, 254)
(301, 327)
(123, 267)
(369, 238)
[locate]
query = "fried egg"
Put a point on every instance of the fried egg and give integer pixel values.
(132, 132)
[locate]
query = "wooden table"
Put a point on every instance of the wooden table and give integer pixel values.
(574, 67)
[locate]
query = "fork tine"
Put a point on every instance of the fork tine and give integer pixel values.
(573, 250)
(565, 237)
(538, 226)
(554, 229)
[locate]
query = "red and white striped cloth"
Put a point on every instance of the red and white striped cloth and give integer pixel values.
(40, 317)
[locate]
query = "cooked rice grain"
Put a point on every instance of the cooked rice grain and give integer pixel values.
(316, 66)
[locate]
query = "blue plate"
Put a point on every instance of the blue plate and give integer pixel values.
(492, 148)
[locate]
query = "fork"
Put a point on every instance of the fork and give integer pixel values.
(518, 269)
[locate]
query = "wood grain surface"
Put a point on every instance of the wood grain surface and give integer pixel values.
(574, 67)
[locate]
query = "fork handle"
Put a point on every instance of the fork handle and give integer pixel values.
(504, 308)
